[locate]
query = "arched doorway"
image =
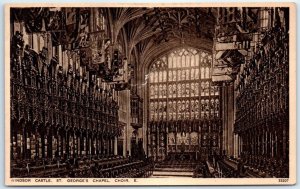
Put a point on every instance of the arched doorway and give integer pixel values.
(184, 114)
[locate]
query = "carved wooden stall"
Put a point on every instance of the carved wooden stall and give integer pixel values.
(65, 78)
(251, 49)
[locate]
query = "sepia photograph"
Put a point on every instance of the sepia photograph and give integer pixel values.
(150, 94)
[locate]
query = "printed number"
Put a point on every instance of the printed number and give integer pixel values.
(283, 180)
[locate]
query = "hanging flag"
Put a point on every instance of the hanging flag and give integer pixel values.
(122, 72)
(54, 20)
(63, 26)
(68, 22)
(34, 19)
(253, 14)
(82, 38)
(85, 57)
(55, 23)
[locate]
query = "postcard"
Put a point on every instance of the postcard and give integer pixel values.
(150, 94)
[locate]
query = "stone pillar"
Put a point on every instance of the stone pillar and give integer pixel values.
(124, 147)
(176, 146)
(167, 139)
(157, 143)
(128, 124)
(230, 118)
(145, 124)
(108, 145)
(224, 118)
(241, 145)
(235, 146)
(227, 95)
(116, 146)
(111, 146)
(238, 145)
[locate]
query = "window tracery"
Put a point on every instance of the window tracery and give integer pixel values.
(181, 82)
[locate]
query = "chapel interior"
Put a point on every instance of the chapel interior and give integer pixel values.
(149, 92)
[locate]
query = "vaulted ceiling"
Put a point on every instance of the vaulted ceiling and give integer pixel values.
(152, 32)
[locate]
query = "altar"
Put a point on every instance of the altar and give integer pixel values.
(181, 156)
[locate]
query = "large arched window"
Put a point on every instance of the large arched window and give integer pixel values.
(180, 85)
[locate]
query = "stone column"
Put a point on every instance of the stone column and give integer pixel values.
(235, 146)
(116, 146)
(242, 143)
(176, 140)
(128, 124)
(238, 145)
(167, 139)
(230, 114)
(110, 146)
(157, 143)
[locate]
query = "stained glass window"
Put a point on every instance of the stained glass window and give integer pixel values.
(197, 74)
(170, 75)
(155, 77)
(197, 60)
(180, 86)
(192, 90)
(151, 77)
(207, 72)
(188, 61)
(174, 78)
(155, 91)
(152, 91)
(179, 107)
(202, 73)
(196, 89)
(183, 61)
(164, 75)
(192, 74)
(159, 76)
